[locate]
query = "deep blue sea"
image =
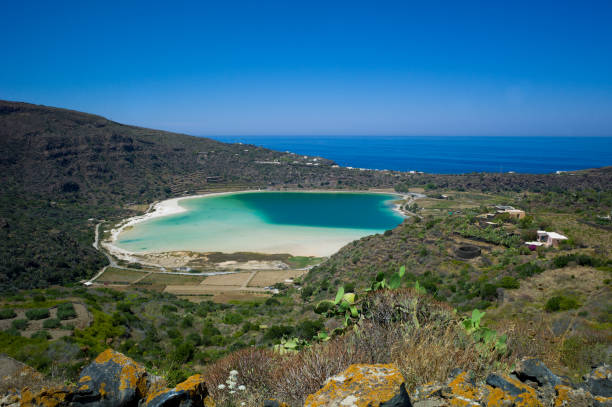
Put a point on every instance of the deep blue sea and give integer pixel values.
(447, 154)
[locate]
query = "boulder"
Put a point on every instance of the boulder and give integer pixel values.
(111, 380)
(190, 393)
(506, 390)
(533, 369)
(363, 385)
(599, 381)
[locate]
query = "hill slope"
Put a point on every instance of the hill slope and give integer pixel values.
(59, 168)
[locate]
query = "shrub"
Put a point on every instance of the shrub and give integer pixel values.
(38, 298)
(232, 318)
(51, 323)
(167, 309)
(183, 352)
(66, 311)
(173, 333)
(41, 335)
(37, 313)
(277, 332)
(306, 292)
(528, 269)
(307, 329)
(187, 322)
(272, 302)
(194, 338)
(561, 303)
(19, 324)
(7, 313)
(488, 291)
(209, 330)
(509, 282)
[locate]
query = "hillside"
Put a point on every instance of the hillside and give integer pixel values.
(61, 170)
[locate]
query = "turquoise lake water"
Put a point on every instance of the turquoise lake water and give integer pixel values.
(299, 223)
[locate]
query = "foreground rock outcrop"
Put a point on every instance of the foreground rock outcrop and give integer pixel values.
(114, 380)
(361, 386)
(531, 384)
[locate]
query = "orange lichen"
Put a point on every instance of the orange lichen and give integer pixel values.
(102, 390)
(84, 387)
(84, 379)
(463, 392)
(563, 395)
(46, 398)
(359, 385)
(192, 384)
(526, 398)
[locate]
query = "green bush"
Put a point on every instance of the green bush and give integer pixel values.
(173, 333)
(41, 335)
(561, 303)
(7, 313)
(306, 292)
(183, 352)
(232, 318)
(509, 282)
(37, 313)
(51, 323)
(194, 338)
(66, 311)
(272, 302)
(278, 331)
(19, 324)
(528, 269)
(187, 322)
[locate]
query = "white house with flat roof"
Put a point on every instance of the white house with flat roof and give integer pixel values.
(550, 238)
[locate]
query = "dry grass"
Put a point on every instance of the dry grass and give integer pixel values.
(237, 279)
(268, 278)
(174, 279)
(423, 337)
(122, 276)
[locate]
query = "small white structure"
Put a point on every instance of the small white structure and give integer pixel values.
(550, 238)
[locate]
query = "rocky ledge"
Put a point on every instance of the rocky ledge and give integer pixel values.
(116, 380)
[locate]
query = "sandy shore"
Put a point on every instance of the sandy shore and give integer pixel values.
(172, 206)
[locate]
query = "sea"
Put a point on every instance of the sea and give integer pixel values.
(446, 154)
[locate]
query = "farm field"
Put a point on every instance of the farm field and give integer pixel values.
(243, 286)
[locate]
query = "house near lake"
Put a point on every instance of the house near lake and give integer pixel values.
(510, 210)
(547, 239)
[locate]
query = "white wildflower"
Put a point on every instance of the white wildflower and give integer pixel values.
(232, 391)
(221, 386)
(233, 372)
(242, 387)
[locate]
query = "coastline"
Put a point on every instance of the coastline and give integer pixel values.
(172, 206)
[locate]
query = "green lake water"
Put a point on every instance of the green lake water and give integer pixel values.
(299, 223)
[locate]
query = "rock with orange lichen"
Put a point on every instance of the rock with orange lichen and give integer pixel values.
(52, 397)
(599, 381)
(111, 380)
(190, 393)
(363, 385)
(506, 390)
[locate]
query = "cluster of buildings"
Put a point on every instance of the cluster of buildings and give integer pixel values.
(544, 238)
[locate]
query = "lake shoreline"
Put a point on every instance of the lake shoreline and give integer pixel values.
(172, 206)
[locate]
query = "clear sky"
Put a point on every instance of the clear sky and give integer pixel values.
(329, 67)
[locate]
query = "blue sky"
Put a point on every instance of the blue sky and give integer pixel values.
(230, 67)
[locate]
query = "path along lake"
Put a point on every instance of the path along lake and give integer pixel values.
(298, 223)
